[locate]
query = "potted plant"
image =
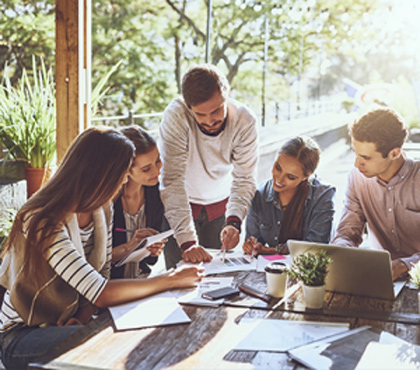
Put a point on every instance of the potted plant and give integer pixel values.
(28, 122)
(311, 269)
(414, 273)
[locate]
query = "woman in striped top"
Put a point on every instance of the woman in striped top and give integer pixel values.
(62, 237)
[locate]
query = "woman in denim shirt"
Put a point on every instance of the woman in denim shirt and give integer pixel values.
(293, 204)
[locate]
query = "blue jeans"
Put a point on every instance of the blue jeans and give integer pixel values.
(23, 345)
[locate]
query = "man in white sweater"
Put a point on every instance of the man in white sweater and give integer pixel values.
(208, 144)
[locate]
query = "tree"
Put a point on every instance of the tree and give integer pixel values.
(27, 29)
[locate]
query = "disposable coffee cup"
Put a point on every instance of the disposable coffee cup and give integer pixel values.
(276, 274)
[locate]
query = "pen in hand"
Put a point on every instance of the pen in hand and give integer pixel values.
(124, 230)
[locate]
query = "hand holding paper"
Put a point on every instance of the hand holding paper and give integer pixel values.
(141, 252)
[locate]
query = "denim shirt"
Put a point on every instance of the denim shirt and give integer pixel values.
(265, 217)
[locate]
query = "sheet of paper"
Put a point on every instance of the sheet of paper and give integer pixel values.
(141, 251)
(158, 237)
(158, 310)
(311, 355)
(136, 256)
(283, 335)
(234, 261)
(390, 356)
(193, 296)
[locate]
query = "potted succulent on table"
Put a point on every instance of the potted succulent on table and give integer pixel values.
(311, 269)
(28, 122)
(414, 273)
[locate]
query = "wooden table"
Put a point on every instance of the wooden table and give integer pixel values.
(206, 342)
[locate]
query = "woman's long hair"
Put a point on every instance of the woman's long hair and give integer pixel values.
(92, 170)
(307, 152)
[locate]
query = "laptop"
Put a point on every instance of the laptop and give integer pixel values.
(358, 271)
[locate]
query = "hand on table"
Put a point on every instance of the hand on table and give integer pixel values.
(252, 246)
(187, 276)
(196, 254)
(398, 268)
(229, 237)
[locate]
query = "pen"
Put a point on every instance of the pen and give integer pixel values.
(224, 254)
(124, 230)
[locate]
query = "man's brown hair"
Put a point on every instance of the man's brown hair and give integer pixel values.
(201, 82)
(383, 126)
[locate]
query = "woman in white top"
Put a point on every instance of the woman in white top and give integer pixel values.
(56, 261)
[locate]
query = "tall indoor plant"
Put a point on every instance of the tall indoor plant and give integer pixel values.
(311, 269)
(28, 121)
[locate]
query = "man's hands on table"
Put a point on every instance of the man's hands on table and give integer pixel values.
(398, 268)
(196, 254)
(229, 236)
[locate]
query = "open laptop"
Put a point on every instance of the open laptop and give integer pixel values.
(359, 271)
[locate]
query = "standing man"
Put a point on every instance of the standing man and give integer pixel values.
(383, 191)
(208, 144)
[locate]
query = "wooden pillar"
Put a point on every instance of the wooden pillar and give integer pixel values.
(73, 70)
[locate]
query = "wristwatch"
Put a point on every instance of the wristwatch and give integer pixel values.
(282, 248)
(235, 222)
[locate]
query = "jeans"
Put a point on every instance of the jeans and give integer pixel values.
(22, 345)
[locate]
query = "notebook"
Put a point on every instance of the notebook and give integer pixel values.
(359, 271)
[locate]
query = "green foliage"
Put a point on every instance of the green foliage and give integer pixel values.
(27, 29)
(157, 41)
(414, 273)
(310, 268)
(6, 224)
(28, 117)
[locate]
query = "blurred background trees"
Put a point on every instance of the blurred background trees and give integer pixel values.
(272, 51)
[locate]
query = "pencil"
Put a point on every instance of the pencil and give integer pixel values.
(124, 230)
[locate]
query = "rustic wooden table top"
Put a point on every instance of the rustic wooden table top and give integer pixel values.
(207, 342)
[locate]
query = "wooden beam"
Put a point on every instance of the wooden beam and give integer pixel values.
(73, 70)
(67, 74)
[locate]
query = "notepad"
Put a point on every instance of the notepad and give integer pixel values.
(157, 310)
(141, 252)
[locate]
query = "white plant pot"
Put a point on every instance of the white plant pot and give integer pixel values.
(418, 301)
(314, 296)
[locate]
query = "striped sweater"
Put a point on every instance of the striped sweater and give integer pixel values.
(82, 257)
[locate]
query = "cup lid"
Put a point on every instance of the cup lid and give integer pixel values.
(276, 267)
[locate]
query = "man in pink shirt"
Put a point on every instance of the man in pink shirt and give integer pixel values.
(383, 191)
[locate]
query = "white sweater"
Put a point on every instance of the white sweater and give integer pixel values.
(206, 169)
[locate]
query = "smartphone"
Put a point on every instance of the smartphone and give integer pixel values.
(255, 293)
(226, 292)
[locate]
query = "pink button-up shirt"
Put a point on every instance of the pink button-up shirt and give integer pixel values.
(391, 210)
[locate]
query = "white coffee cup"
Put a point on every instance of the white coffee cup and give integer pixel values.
(276, 274)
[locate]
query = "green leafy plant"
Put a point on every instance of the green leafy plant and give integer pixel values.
(28, 117)
(415, 275)
(6, 225)
(310, 268)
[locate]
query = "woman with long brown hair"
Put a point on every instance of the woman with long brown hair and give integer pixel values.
(56, 261)
(293, 204)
